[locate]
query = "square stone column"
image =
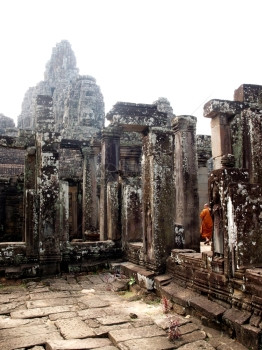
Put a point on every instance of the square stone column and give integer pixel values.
(30, 208)
(110, 154)
(157, 197)
(186, 212)
(47, 168)
(90, 200)
(222, 113)
(131, 194)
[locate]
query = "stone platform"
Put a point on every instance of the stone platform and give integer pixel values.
(93, 311)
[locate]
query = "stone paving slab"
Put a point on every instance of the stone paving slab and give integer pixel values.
(122, 335)
(109, 320)
(95, 279)
(78, 344)
(91, 313)
(96, 315)
(28, 341)
(7, 322)
(9, 307)
(74, 328)
(104, 330)
(62, 315)
(164, 322)
(197, 345)
(94, 302)
(49, 295)
(154, 343)
(26, 331)
(189, 338)
(50, 302)
(45, 311)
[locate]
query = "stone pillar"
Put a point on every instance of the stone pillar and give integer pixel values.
(131, 202)
(222, 113)
(90, 202)
(30, 205)
(204, 156)
(47, 144)
(157, 197)
(221, 138)
(186, 183)
(109, 178)
(228, 188)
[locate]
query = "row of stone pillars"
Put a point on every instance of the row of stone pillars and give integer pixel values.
(169, 210)
(163, 198)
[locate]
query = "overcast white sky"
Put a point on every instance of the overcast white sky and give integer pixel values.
(188, 51)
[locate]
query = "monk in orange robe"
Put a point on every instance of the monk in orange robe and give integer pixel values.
(206, 224)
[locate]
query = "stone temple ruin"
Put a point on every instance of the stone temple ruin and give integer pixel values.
(75, 194)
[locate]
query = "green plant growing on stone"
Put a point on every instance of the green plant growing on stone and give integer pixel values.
(131, 281)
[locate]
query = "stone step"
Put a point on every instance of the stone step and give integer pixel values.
(143, 277)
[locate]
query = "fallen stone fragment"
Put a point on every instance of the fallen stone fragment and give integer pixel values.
(78, 344)
(74, 328)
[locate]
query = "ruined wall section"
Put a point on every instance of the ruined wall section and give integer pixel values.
(235, 192)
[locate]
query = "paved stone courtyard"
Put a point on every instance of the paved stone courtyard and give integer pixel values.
(91, 312)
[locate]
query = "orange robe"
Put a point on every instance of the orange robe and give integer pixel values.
(206, 224)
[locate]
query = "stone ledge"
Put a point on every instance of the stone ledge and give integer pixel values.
(144, 278)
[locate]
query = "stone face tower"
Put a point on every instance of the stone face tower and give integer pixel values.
(77, 100)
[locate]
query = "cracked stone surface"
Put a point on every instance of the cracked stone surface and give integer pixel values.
(66, 314)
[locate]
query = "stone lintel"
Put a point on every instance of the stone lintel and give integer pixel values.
(130, 151)
(225, 107)
(17, 142)
(73, 144)
(111, 132)
(136, 117)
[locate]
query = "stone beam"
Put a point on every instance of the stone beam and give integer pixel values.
(136, 117)
(215, 107)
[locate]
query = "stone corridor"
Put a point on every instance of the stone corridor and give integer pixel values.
(95, 311)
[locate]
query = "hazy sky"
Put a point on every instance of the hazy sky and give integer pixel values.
(188, 51)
